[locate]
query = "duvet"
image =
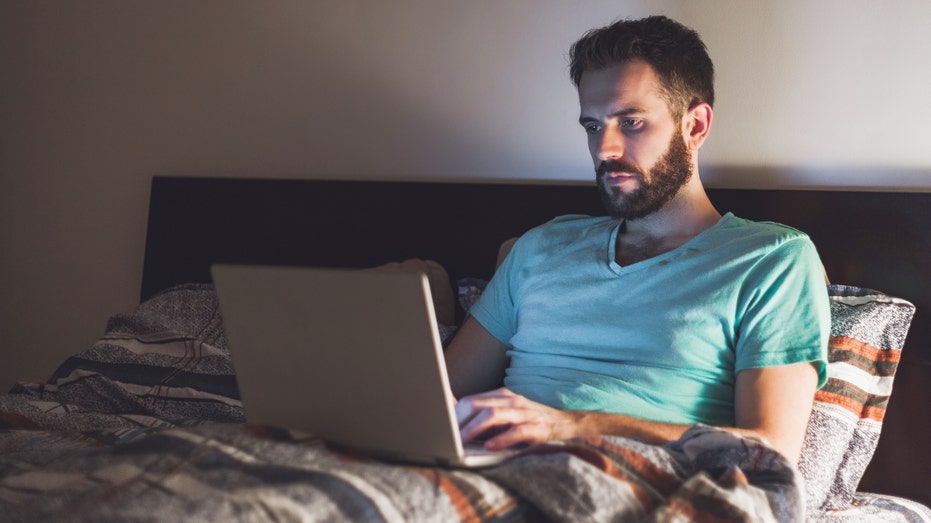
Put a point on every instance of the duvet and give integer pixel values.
(146, 425)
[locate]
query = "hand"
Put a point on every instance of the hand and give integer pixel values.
(511, 419)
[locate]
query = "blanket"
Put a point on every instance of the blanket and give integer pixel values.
(147, 426)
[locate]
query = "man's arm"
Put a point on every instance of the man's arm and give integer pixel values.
(475, 360)
(775, 403)
(772, 403)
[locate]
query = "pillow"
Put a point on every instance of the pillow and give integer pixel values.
(165, 362)
(440, 288)
(868, 330)
(504, 249)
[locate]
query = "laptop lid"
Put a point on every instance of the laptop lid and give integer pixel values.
(353, 356)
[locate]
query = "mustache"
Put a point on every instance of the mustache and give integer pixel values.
(614, 166)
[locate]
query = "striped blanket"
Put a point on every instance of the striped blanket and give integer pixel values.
(147, 426)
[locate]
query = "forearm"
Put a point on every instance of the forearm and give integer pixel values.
(654, 432)
(772, 404)
(603, 423)
(766, 409)
(514, 419)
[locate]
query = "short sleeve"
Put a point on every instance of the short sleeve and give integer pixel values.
(496, 309)
(784, 310)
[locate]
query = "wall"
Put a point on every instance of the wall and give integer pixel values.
(97, 96)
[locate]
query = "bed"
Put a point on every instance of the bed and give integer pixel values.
(146, 424)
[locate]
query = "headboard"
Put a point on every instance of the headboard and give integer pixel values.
(880, 240)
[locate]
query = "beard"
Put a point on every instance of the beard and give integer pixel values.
(658, 186)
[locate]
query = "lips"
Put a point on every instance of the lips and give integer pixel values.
(617, 178)
(615, 168)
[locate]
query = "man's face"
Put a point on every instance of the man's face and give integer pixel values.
(641, 160)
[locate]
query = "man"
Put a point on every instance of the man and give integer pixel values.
(664, 314)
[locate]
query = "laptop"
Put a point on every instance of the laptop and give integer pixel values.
(352, 356)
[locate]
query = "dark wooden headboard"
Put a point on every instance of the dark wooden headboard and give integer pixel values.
(879, 240)
(194, 222)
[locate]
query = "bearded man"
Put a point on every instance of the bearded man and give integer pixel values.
(663, 314)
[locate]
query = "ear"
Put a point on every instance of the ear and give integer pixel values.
(696, 124)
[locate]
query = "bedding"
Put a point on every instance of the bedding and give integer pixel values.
(146, 425)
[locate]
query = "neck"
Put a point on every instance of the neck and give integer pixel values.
(683, 218)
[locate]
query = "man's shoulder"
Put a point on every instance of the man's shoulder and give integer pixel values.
(564, 230)
(573, 223)
(760, 231)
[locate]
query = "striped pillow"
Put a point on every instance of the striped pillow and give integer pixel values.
(868, 330)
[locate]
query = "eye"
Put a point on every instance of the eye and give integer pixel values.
(592, 128)
(631, 124)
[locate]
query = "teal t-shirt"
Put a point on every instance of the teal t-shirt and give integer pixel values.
(662, 339)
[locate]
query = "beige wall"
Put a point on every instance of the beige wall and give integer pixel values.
(97, 96)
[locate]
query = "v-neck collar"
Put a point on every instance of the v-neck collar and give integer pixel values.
(659, 259)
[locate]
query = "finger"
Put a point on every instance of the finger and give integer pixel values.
(468, 406)
(464, 411)
(525, 433)
(490, 420)
(483, 422)
(495, 420)
(511, 401)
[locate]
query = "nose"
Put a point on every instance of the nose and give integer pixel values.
(608, 144)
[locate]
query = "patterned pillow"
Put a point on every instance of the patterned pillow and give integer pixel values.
(868, 330)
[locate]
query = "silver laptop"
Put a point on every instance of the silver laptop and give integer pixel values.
(352, 356)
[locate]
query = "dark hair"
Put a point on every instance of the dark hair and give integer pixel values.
(675, 52)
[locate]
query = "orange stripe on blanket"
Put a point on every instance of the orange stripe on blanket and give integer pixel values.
(861, 410)
(647, 469)
(649, 484)
(461, 502)
(680, 508)
(864, 349)
(643, 475)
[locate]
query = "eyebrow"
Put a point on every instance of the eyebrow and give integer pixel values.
(630, 111)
